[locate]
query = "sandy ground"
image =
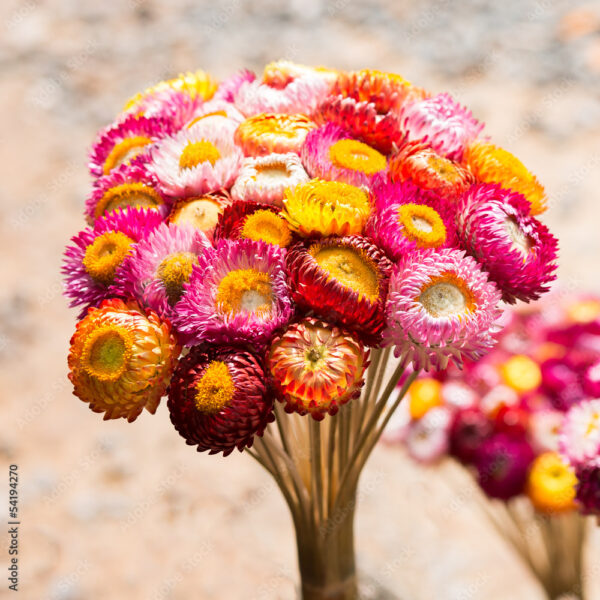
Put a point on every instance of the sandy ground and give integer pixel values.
(113, 511)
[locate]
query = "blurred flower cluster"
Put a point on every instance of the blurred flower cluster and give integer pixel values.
(526, 417)
(277, 228)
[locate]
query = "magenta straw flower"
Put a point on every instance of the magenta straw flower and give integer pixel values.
(128, 139)
(95, 254)
(199, 159)
(516, 249)
(579, 437)
(331, 153)
(502, 464)
(440, 306)
(236, 293)
(588, 488)
(441, 122)
(126, 185)
(409, 218)
(300, 96)
(154, 273)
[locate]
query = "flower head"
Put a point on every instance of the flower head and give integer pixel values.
(299, 96)
(588, 489)
(551, 484)
(517, 250)
(580, 434)
(199, 159)
(426, 439)
(442, 123)
(121, 359)
(502, 464)
(94, 255)
(408, 219)
(316, 367)
(421, 164)
(279, 73)
(470, 428)
(254, 221)
(544, 427)
(218, 399)
(343, 280)
(264, 178)
(236, 293)
(325, 208)
(200, 212)
(440, 306)
(367, 104)
(329, 152)
(126, 185)
(196, 85)
(424, 394)
(156, 271)
(491, 164)
(268, 133)
(125, 141)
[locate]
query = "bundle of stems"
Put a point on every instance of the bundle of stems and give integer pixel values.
(551, 545)
(317, 466)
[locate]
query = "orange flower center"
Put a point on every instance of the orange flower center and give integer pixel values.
(201, 213)
(267, 226)
(350, 267)
(196, 153)
(422, 224)
(174, 271)
(135, 194)
(124, 151)
(245, 290)
(446, 295)
(106, 352)
(215, 389)
(105, 254)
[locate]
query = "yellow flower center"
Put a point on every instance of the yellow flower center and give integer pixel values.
(444, 167)
(267, 226)
(128, 194)
(422, 224)
(446, 295)
(174, 271)
(245, 290)
(124, 151)
(350, 267)
(521, 373)
(425, 394)
(201, 213)
(216, 113)
(196, 153)
(354, 155)
(104, 255)
(215, 389)
(106, 352)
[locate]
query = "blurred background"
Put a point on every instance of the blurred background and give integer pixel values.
(116, 510)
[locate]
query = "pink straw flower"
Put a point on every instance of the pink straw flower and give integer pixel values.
(517, 250)
(154, 273)
(441, 122)
(440, 306)
(580, 434)
(236, 293)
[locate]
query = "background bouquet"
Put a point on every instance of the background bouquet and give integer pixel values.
(524, 420)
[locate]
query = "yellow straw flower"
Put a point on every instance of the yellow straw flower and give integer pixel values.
(326, 208)
(551, 484)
